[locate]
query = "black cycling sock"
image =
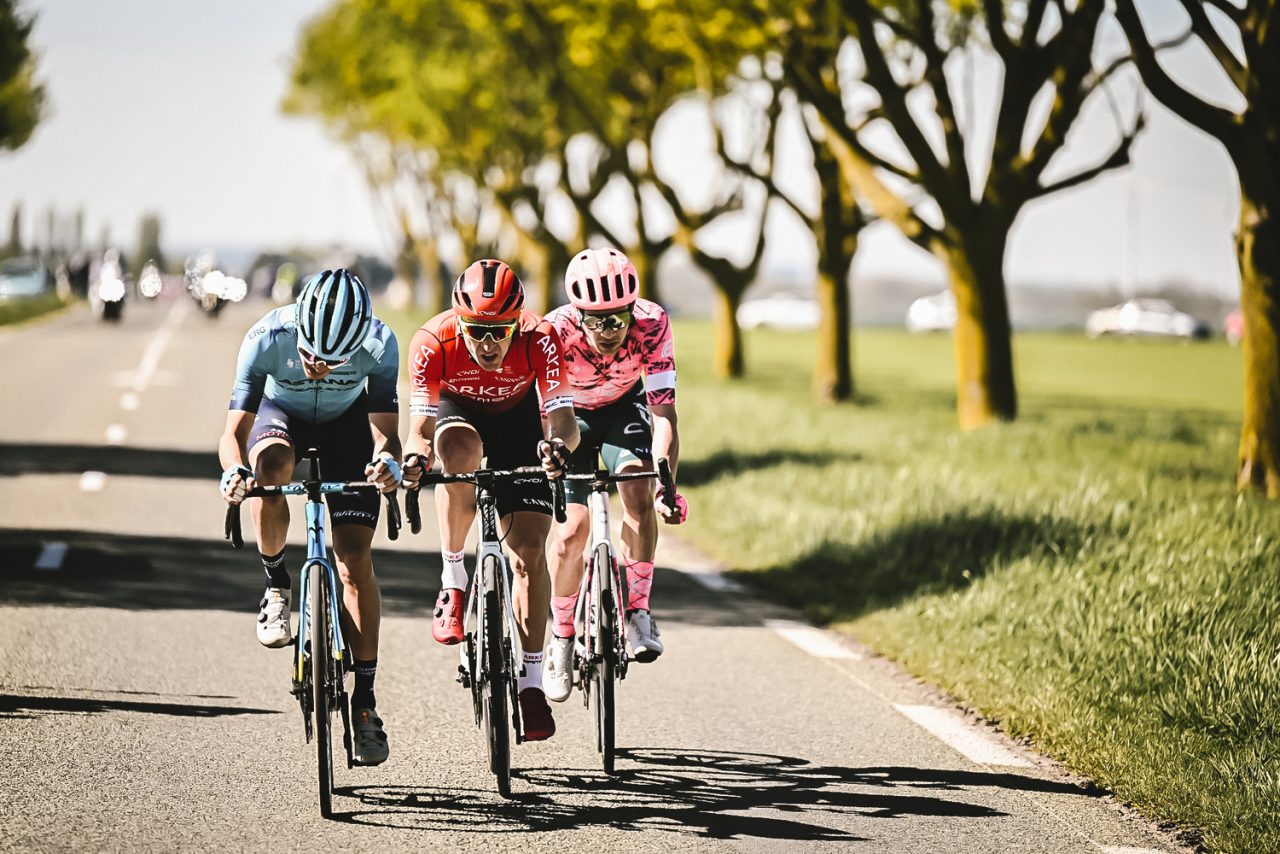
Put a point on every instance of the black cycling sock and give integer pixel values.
(362, 697)
(277, 575)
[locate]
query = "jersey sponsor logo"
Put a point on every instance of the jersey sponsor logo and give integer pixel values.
(635, 428)
(558, 402)
(422, 358)
(490, 392)
(552, 354)
(255, 332)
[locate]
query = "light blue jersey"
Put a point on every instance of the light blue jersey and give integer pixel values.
(269, 365)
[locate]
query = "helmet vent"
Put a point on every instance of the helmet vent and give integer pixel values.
(490, 279)
(591, 290)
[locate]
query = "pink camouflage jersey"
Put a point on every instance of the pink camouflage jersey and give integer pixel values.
(648, 349)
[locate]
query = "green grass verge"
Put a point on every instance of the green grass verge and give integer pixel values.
(1086, 575)
(27, 308)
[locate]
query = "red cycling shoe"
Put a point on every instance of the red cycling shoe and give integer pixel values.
(535, 714)
(446, 620)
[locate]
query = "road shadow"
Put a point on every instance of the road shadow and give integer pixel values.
(728, 462)
(694, 792)
(138, 573)
(21, 706)
(839, 580)
(27, 458)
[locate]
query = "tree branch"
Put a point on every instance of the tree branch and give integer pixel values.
(1119, 157)
(1207, 33)
(1221, 124)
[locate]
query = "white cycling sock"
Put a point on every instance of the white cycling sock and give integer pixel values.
(532, 677)
(454, 573)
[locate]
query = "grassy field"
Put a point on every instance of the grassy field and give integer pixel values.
(1086, 575)
(18, 310)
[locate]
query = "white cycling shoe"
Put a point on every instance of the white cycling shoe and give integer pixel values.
(557, 669)
(642, 637)
(273, 618)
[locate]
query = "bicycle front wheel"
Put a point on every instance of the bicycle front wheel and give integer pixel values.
(605, 652)
(493, 708)
(321, 674)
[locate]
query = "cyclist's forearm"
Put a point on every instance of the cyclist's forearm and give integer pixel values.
(385, 427)
(421, 431)
(562, 425)
(232, 449)
(666, 439)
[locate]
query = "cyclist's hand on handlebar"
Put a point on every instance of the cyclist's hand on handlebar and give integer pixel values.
(414, 466)
(385, 472)
(671, 517)
(554, 455)
(236, 481)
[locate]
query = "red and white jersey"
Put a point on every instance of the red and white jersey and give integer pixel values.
(440, 364)
(648, 350)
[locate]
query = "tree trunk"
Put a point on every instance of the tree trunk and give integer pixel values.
(833, 372)
(985, 390)
(647, 271)
(729, 361)
(1258, 247)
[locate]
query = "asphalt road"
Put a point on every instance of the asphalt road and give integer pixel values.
(138, 712)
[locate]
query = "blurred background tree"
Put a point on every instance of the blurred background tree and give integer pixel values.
(22, 97)
(149, 243)
(1244, 42)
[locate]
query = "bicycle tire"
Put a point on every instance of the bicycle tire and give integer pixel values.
(494, 708)
(321, 673)
(605, 649)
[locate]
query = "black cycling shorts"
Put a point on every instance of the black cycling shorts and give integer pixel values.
(619, 434)
(345, 445)
(510, 440)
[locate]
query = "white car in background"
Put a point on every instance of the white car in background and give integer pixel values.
(936, 313)
(783, 311)
(1145, 317)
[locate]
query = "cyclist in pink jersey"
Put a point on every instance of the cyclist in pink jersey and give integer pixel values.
(620, 363)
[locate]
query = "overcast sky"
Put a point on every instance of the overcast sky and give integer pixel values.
(174, 108)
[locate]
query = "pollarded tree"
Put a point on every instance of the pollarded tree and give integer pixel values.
(1245, 42)
(22, 98)
(961, 214)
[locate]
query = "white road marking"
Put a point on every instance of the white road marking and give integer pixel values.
(954, 731)
(156, 346)
(816, 642)
(93, 481)
(116, 434)
(51, 556)
(713, 580)
(129, 401)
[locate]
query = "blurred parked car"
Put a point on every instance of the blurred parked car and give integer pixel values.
(1233, 327)
(1145, 317)
(784, 311)
(936, 313)
(22, 277)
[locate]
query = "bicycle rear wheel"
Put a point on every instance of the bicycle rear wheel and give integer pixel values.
(605, 650)
(321, 674)
(493, 709)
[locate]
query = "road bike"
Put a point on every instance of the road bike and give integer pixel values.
(600, 624)
(490, 656)
(320, 659)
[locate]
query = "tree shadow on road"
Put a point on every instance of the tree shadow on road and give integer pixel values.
(22, 706)
(17, 458)
(695, 792)
(723, 463)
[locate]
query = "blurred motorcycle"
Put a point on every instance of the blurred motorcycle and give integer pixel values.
(107, 288)
(211, 288)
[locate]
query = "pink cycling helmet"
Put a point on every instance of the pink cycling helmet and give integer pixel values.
(601, 279)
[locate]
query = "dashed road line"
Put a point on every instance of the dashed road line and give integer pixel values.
(116, 434)
(93, 481)
(954, 731)
(51, 556)
(715, 581)
(129, 401)
(816, 642)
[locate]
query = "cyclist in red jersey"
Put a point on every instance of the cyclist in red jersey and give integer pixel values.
(474, 369)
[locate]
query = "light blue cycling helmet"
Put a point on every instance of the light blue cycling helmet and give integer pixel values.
(334, 315)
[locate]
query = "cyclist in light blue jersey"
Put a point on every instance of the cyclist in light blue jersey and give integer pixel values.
(320, 373)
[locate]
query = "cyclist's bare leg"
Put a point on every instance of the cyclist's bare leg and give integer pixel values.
(459, 449)
(569, 542)
(639, 519)
(272, 463)
(361, 598)
(527, 541)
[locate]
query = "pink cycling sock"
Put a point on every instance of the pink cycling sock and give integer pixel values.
(562, 608)
(639, 579)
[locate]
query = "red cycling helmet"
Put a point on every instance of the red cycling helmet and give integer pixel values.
(488, 292)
